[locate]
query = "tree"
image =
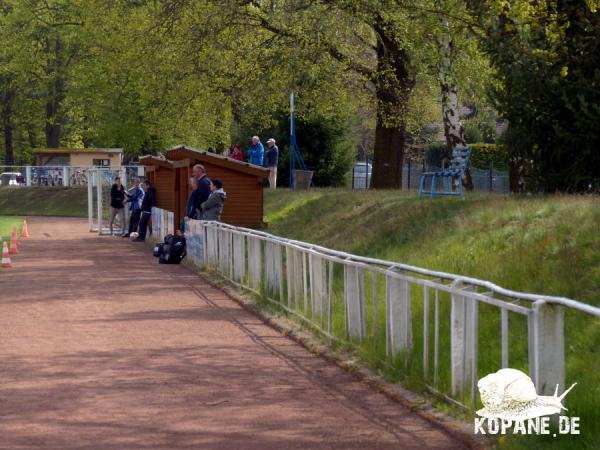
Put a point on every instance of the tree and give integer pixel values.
(360, 39)
(546, 56)
(453, 128)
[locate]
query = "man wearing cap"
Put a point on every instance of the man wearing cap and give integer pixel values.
(272, 157)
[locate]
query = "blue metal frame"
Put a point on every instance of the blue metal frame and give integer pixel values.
(456, 169)
(295, 155)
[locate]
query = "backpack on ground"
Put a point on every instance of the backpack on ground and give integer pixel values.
(173, 250)
(158, 248)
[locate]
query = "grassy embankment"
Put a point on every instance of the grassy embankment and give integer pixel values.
(43, 201)
(548, 245)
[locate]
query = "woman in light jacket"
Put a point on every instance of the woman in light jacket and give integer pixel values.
(212, 208)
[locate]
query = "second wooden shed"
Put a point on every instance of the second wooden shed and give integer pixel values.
(243, 183)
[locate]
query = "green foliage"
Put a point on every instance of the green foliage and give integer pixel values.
(484, 156)
(472, 133)
(435, 154)
(327, 145)
(482, 126)
(489, 155)
(546, 57)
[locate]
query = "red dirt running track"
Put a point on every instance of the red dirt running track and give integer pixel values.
(102, 348)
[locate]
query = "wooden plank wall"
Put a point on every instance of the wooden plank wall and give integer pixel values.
(244, 204)
(164, 182)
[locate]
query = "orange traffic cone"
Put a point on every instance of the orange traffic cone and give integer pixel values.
(5, 256)
(24, 232)
(13, 246)
(15, 236)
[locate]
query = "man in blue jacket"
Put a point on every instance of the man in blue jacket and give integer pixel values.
(135, 195)
(256, 152)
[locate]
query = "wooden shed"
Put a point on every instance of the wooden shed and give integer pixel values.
(243, 183)
(162, 173)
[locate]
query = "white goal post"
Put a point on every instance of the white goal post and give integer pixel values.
(100, 180)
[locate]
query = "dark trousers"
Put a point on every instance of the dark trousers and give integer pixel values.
(134, 220)
(145, 217)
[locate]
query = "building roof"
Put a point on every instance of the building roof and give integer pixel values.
(180, 152)
(77, 150)
(150, 160)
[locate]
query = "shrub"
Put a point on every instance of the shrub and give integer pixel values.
(327, 145)
(486, 155)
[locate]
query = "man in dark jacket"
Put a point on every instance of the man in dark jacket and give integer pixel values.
(272, 156)
(190, 210)
(203, 189)
(117, 208)
(147, 204)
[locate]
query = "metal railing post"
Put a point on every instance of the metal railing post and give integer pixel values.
(547, 347)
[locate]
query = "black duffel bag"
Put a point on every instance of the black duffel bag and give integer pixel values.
(158, 249)
(173, 251)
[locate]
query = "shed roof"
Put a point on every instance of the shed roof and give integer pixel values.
(78, 150)
(183, 152)
(150, 160)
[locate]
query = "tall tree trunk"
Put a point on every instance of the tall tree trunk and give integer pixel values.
(394, 82)
(7, 122)
(454, 132)
(53, 129)
(9, 157)
(56, 95)
(453, 129)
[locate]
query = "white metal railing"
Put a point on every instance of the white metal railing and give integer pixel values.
(59, 175)
(163, 223)
(373, 302)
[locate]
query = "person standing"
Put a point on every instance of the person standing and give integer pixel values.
(135, 195)
(190, 210)
(237, 153)
(117, 207)
(148, 203)
(212, 208)
(272, 157)
(255, 152)
(203, 189)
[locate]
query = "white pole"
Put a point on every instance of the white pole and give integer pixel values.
(28, 175)
(99, 191)
(91, 200)
(124, 177)
(292, 113)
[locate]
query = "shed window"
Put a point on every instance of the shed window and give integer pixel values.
(101, 162)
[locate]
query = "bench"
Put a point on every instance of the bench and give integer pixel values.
(456, 170)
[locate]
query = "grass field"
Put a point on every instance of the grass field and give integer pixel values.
(6, 225)
(43, 201)
(546, 245)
